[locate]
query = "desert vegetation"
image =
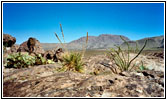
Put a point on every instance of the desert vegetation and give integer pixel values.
(72, 60)
(121, 71)
(122, 59)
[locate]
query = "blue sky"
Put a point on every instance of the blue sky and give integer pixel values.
(41, 20)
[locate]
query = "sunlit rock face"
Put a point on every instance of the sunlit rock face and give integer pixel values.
(8, 40)
(37, 48)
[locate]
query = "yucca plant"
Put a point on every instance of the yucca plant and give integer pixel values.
(122, 59)
(72, 61)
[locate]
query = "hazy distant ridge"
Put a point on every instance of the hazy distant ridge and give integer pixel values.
(105, 41)
(98, 42)
(153, 42)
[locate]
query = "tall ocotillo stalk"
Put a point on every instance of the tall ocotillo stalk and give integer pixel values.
(138, 53)
(127, 45)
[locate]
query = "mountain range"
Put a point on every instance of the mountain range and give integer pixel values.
(105, 41)
(152, 43)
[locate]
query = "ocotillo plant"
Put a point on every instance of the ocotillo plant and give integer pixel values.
(118, 57)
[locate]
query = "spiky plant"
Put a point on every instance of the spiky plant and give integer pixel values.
(73, 62)
(118, 57)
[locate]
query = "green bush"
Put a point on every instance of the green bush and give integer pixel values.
(18, 60)
(39, 60)
(122, 59)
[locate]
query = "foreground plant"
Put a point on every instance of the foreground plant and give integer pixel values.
(142, 67)
(39, 60)
(118, 58)
(18, 60)
(72, 61)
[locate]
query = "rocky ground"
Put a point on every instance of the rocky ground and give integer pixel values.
(96, 81)
(46, 81)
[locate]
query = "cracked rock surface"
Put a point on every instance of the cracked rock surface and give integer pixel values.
(46, 81)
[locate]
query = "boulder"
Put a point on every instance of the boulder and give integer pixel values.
(12, 49)
(49, 54)
(31, 44)
(37, 48)
(55, 55)
(58, 54)
(8, 40)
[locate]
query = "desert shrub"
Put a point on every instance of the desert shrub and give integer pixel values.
(118, 56)
(18, 60)
(39, 60)
(72, 61)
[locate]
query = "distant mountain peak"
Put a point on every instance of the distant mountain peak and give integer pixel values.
(105, 41)
(98, 42)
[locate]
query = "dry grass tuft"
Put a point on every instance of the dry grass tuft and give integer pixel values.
(72, 61)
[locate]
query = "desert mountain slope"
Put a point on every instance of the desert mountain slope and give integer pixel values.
(94, 42)
(105, 41)
(101, 42)
(153, 42)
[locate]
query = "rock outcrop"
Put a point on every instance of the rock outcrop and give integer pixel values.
(49, 54)
(9, 45)
(8, 40)
(14, 48)
(55, 55)
(31, 44)
(44, 81)
(37, 48)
